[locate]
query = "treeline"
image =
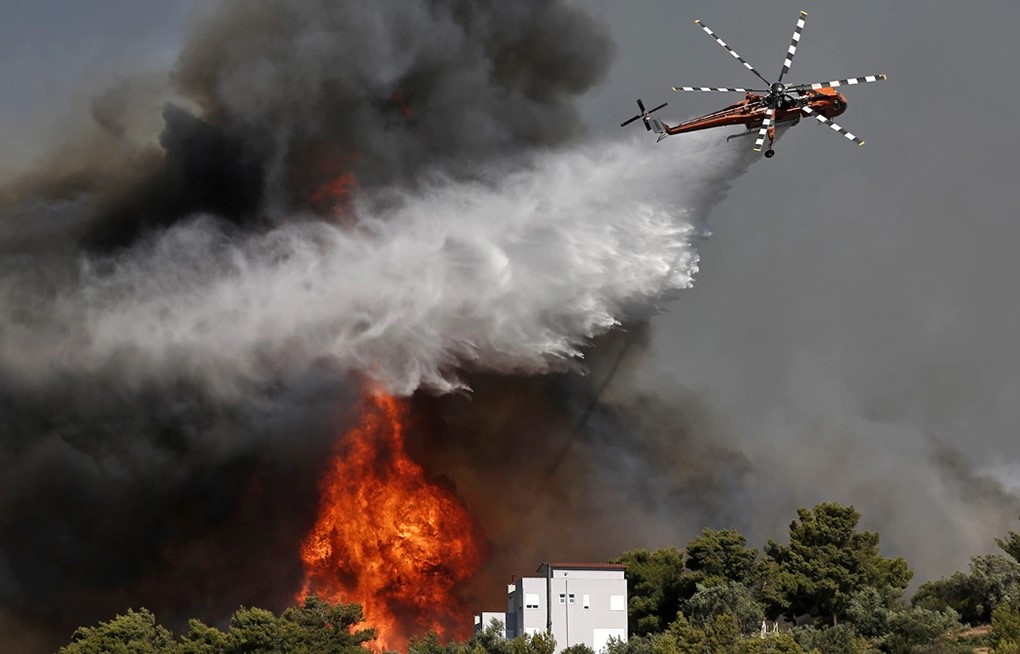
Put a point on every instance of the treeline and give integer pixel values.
(829, 591)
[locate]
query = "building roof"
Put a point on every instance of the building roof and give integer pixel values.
(582, 566)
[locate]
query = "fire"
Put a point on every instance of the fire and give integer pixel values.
(388, 538)
(332, 195)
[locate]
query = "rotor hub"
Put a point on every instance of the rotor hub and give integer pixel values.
(777, 88)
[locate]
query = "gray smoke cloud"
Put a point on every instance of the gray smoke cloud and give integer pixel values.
(187, 322)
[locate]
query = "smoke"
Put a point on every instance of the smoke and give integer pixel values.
(185, 323)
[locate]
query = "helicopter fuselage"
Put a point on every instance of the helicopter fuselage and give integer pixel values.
(750, 112)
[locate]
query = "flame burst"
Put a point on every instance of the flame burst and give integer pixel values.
(388, 538)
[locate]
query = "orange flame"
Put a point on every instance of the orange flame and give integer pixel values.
(388, 538)
(333, 194)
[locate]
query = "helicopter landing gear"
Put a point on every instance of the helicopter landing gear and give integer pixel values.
(770, 153)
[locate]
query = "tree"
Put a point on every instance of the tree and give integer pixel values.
(781, 643)
(635, 645)
(993, 579)
(133, 633)
(323, 628)
(315, 627)
(203, 639)
(868, 612)
(720, 636)
(656, 588)
(540, 643)
(429, 644)
(717, 557)
(1010, 545)
(841, 639)
(732, 599)
(490, 640)
(916, 630)
(255, 631)
(826, 562)
(1005, 634)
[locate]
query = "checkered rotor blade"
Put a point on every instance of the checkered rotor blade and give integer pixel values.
(730, 50)
(833, 126)
(792, 50)
(850, 81)
(765, 125)
(715, 89)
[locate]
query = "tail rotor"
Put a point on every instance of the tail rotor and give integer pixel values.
(645, 115)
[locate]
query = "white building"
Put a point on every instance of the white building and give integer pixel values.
(578, 602)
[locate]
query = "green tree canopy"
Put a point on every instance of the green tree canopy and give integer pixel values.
(1010, 545)
(868, 612)
(136, 632)
(1005, 634)
(719, 556)
(917, 630)
(656, 588)
(315, 627)
(731, 599)
(841, 639)
(826, 562)
(781, 643)
(720, 636)
(993, 579)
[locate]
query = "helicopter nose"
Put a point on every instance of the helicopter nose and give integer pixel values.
(839, 104)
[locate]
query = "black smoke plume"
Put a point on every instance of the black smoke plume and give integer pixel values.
(123, 490)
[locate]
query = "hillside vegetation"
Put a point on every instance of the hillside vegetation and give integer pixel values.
(828, 590)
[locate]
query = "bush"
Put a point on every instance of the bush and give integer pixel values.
(841, 639)
(731, 598)
(992, 580)
(1006, 629)
(868, 612)
(917, 629)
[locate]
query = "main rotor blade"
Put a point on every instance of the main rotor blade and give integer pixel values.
(715, 89)
(731, 51)
(850, 81)
(793, 45)
(836, 128)
(765, 125)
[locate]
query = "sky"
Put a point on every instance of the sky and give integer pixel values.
(853, 328)
(855, 314)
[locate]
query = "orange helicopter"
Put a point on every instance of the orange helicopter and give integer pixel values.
(763, 109)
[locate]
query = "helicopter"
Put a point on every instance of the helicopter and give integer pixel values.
(763, 109)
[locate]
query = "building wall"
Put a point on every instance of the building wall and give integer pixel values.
(584, 606)
(588, 606)
(526, 606)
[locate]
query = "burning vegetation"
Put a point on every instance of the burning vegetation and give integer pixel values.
(388, 537)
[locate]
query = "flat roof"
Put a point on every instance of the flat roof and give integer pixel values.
(582, 566)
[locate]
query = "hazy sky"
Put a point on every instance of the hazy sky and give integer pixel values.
(855, 305)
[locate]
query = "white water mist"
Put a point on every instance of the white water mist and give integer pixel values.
(509, 275)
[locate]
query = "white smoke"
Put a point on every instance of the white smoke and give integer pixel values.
(512, 274)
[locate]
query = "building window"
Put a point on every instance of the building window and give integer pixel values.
(531, 601)
(617, 603)
(570, 599)
(586, 601)
(563, 598)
